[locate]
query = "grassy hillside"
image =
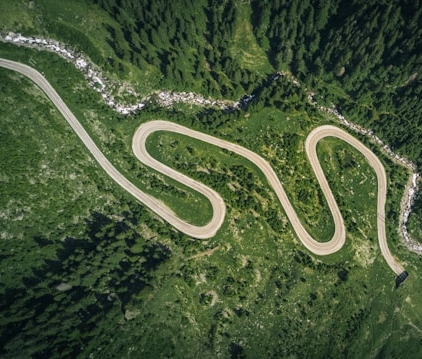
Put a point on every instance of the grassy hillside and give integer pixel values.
(86, 271)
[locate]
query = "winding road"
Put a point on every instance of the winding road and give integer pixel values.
(219, 209)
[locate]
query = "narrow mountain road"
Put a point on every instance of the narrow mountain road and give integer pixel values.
(219, 209)
(338, 239)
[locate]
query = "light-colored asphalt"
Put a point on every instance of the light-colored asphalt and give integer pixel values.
(310, 147)
(338, 239)
(219, 210)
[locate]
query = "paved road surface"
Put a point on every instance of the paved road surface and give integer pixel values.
(198, 232)
(209, 230)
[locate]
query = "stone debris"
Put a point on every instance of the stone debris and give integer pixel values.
(101, 83)
(169, 98)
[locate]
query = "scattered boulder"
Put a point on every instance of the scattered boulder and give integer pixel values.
(64, 287)
(131, 314)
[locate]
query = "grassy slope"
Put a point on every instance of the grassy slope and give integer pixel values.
(244, 47)
(111, 134)
(32, 18)
(256, 294)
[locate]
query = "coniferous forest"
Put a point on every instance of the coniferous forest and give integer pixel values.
(363, 56)
(371, 50)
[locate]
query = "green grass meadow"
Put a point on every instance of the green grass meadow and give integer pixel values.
(86, 271)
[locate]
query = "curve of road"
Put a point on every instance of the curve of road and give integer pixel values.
(219, 210)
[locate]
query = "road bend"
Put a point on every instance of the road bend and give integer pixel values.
(218, 206)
